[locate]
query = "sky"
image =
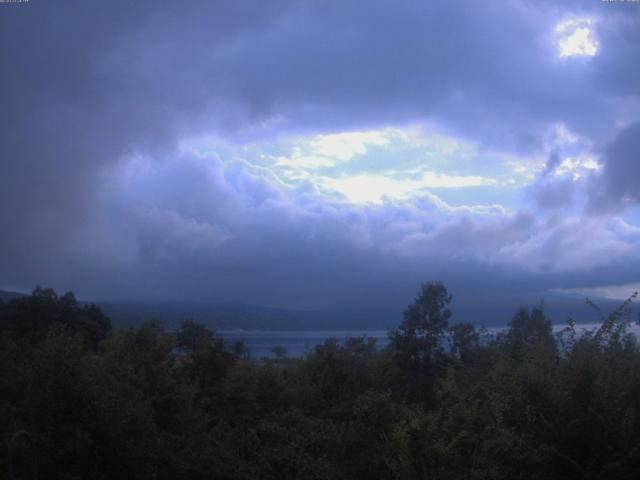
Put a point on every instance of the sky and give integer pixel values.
(320, 154)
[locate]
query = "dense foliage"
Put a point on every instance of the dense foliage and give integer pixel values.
(441, 401)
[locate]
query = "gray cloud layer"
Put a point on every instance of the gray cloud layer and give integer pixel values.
(87, 87)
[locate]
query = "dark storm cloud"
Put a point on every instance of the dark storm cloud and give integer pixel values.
(71, 106)
(619, 183)
(86, 87)
(617, 67)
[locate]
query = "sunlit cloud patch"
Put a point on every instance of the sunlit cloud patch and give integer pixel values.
(375, 188)
(575, 37)
(377, 165)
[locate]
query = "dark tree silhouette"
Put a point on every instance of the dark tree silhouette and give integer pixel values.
(418, 341)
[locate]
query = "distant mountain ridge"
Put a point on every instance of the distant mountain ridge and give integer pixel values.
(234, 317)
(7, 296)
(559, 307)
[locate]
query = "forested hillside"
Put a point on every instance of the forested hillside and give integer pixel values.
(442, 401)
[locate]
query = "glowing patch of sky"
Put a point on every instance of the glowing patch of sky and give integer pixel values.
(575, 38)
(401, 163)
(344, 146)
(576, 167)
(374, 188)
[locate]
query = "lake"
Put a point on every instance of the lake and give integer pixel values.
(298, 342)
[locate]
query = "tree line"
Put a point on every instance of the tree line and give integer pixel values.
(441, 401)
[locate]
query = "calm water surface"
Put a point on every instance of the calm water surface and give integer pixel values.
(296, 342)
(299, 342)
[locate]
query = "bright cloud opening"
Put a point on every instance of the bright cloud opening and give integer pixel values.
(374, 188)
(575, 38)
(344, 146)
(370, 165)
(576, 166)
